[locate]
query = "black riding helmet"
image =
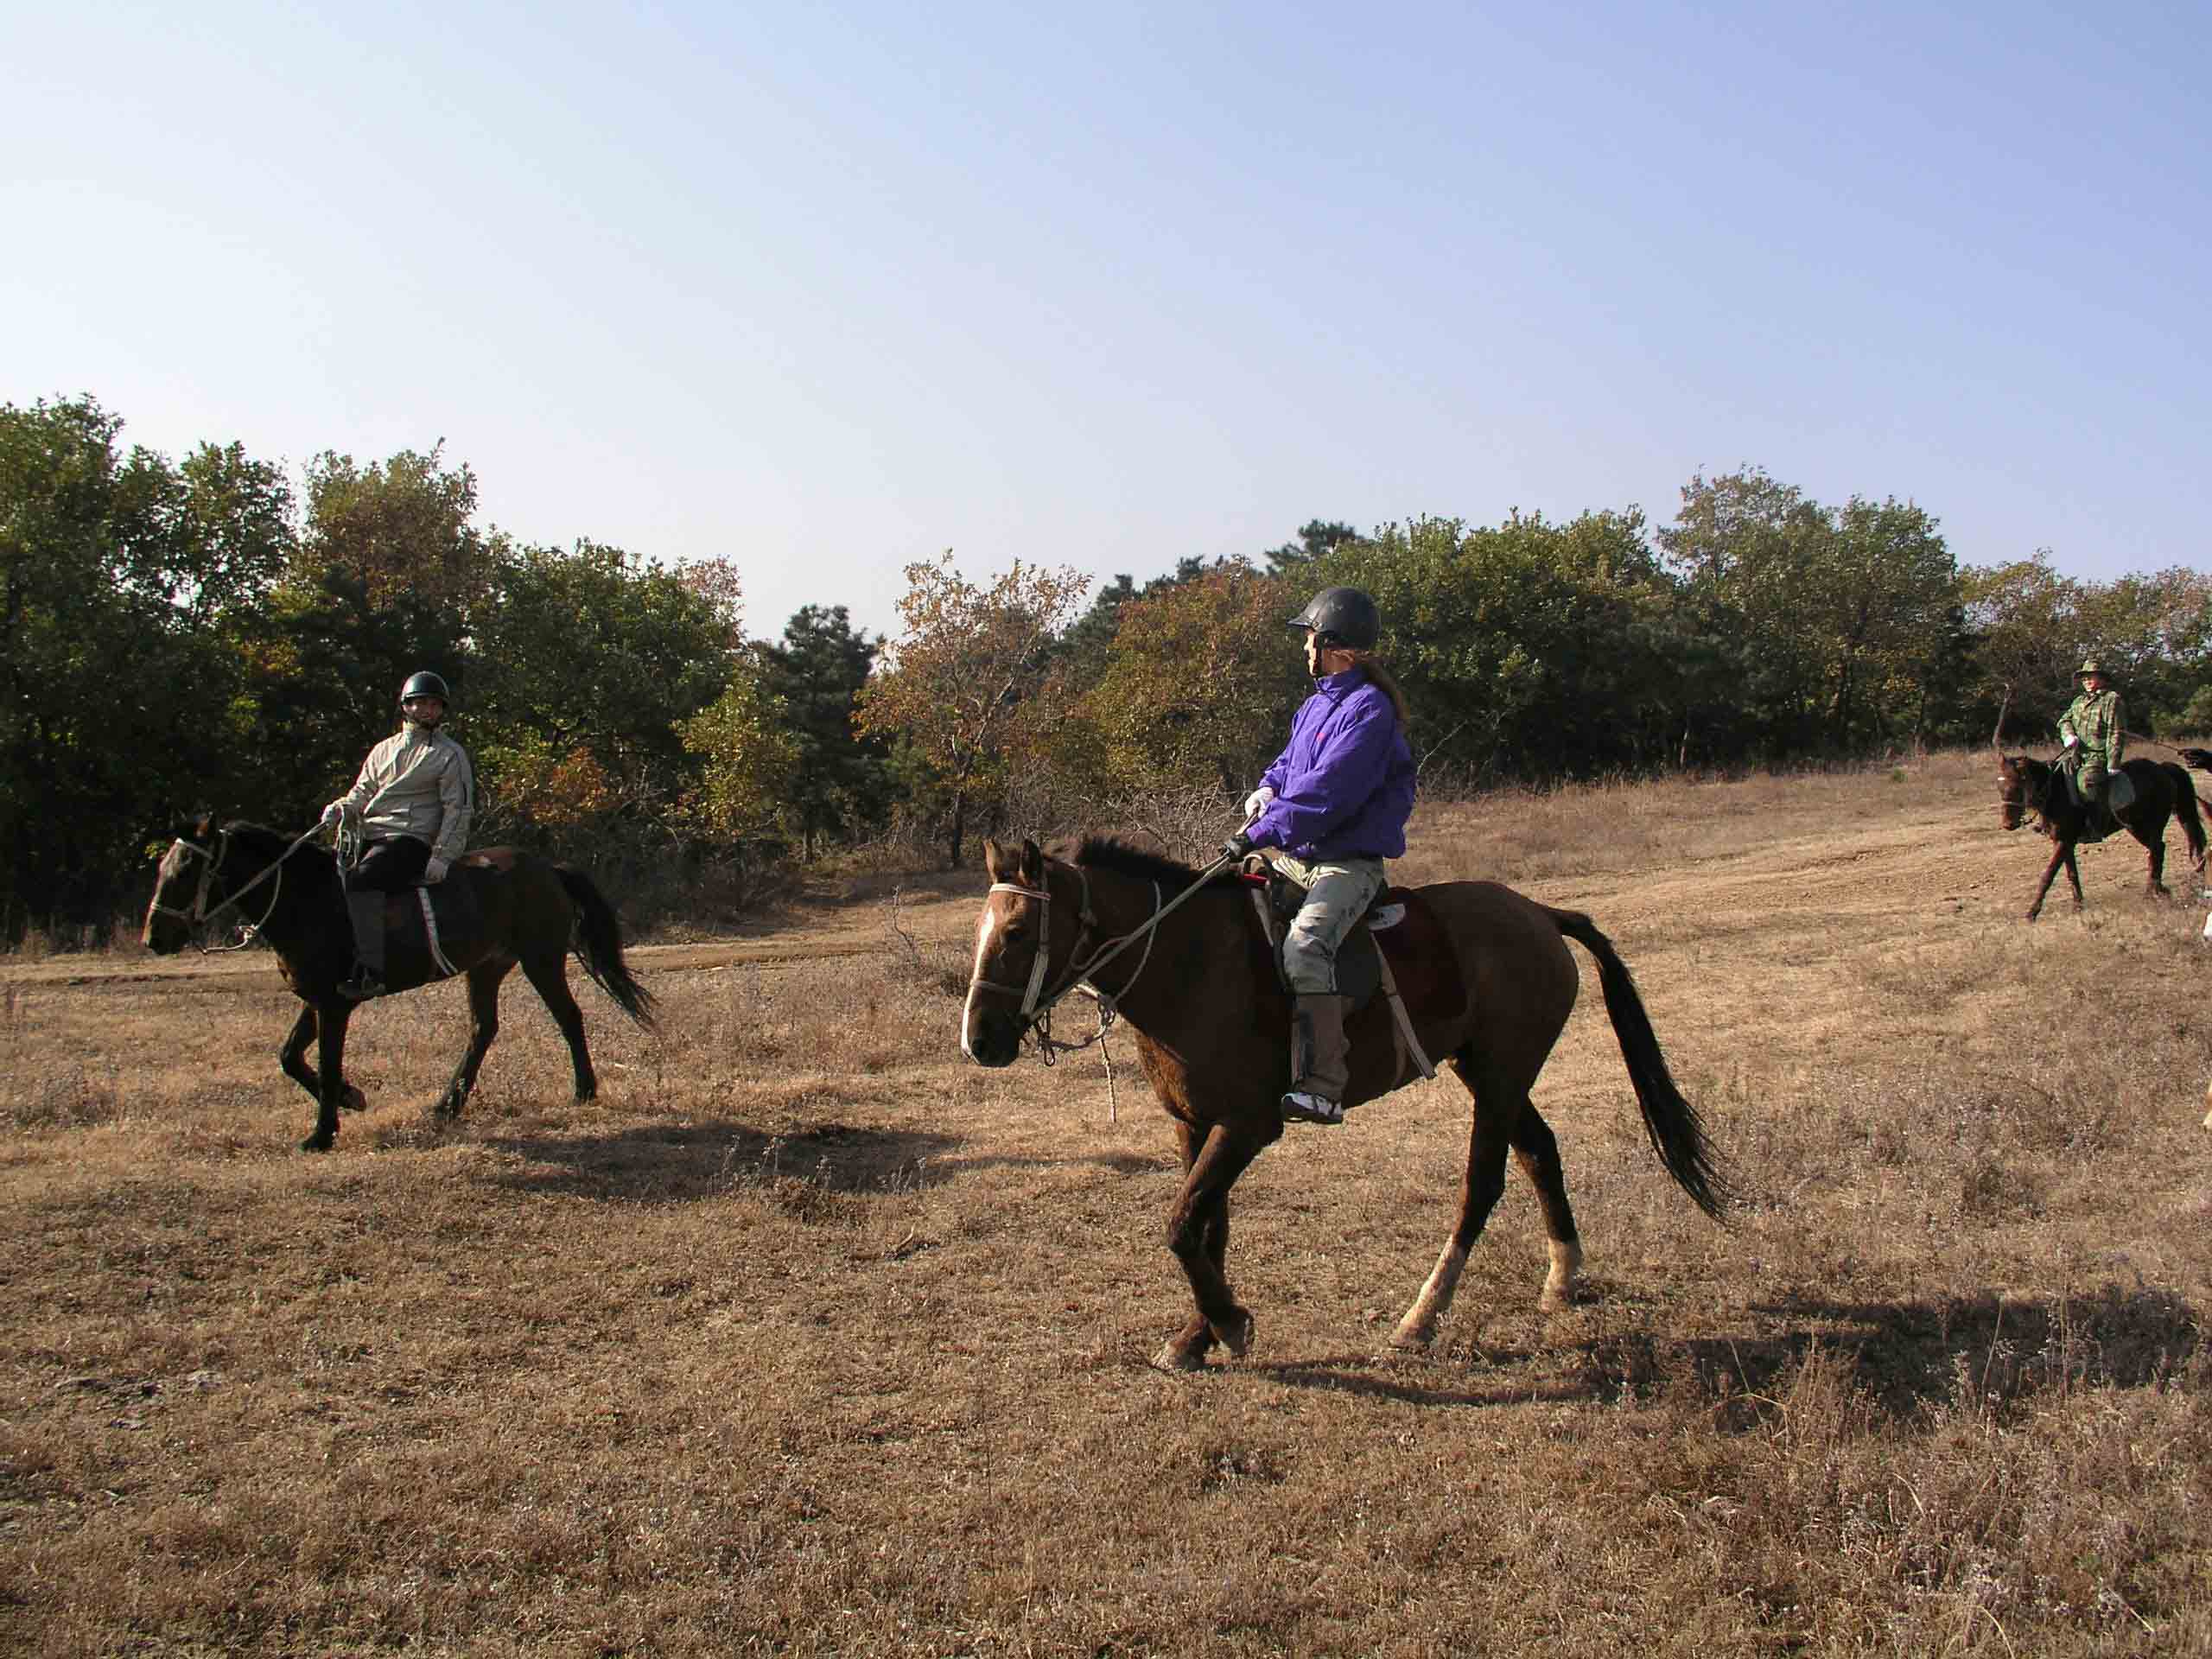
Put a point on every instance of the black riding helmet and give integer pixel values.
(424, 683)
(1342, 616)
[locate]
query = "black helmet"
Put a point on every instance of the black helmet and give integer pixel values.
(424, 683)
(1342, 616)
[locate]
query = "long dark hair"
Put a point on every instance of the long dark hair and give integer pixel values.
(1391, 689)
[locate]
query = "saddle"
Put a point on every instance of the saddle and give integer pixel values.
(2098, 818)
(1398, 949)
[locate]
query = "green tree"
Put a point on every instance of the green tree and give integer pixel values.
(842, 781)
(750, 759)
(586, 663)
(1317, 539)
(953, 683)
(115, 709)
(1845, 617)
(400, 525)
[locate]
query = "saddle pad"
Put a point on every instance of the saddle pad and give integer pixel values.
(426, 926)
(1423, 960)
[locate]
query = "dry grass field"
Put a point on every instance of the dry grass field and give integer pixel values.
(810, 1337)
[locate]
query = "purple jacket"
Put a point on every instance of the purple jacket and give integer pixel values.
(1344, 787)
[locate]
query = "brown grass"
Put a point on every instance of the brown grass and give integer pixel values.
(809, 1337)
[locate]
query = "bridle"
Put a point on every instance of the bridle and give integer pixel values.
(1036, 1012)
(202, 912)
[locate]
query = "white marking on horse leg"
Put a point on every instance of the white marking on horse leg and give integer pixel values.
(1419, 1325)
(1559, 1284)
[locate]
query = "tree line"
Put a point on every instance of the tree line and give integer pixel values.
(179, 635)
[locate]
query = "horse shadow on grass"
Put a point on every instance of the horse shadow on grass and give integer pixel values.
(1985, 1353)
(684, 1163)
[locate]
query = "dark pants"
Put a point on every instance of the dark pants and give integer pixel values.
(391, 866)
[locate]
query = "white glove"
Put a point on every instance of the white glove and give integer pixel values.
(436, 870)
(1257, 801)
(334, 813)
(2071, 740)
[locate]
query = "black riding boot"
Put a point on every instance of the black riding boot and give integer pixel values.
(367, 912)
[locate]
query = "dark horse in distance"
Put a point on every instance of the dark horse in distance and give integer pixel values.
(2163, 791)
(1496, 984)
(524, 910)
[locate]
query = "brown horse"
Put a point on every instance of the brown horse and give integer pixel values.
(525, 909)
(1199, 985)
(2163, 791)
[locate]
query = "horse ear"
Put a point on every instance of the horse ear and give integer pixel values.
(994, 860)
(1033, 864)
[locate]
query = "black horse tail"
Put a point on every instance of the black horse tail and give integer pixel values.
(2192, 827)
(1677, 1131)
(599, 946)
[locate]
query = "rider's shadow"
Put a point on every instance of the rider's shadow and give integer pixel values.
(681, 1164)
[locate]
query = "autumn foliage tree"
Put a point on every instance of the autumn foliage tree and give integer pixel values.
(950, 689)
(1198, 688)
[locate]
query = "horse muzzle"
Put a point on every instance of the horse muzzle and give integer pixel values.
(990, 1038)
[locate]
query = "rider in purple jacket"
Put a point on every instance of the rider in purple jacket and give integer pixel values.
(1334, 805)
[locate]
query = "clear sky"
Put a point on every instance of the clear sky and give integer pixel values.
(825, 290)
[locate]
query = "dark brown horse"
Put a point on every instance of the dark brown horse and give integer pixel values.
(2163, 791)
(525, 911)
(1213, 1027)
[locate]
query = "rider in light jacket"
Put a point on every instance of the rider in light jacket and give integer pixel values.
(414, 798)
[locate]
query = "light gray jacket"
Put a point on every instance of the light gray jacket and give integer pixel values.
(416, 782)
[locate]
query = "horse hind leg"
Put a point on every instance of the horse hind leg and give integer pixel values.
(548, 973)
(1536, 1148)
(483, 1026)
(1499, 1105)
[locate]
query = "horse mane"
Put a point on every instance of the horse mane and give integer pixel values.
(1110, 853)
(260, 838)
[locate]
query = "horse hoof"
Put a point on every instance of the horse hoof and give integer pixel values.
(317, 1143)
(1411, 1339)
(355, 1100)
(1178, 1357)
(1235, 1334)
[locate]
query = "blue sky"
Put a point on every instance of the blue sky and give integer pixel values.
(828, 289)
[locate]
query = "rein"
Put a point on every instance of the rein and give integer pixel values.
(201, 912)
(1036, 1015)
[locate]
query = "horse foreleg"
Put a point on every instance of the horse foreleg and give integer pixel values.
(1197, 1233)
(330, 1020)
(2061, 857)
(295, 1062)
(1499, 1108)
(2073, 874)
(483, 1026)
(549, 976)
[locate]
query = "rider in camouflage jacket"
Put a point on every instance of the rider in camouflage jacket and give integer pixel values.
(2092, 729)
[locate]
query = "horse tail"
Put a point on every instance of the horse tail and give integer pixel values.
(1677, 1133)
(599, 946)
(2192, 827)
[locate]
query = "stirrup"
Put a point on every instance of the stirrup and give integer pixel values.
(1302, 1107)
(361, 988)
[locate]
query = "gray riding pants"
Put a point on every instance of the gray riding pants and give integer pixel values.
(1338, 894)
